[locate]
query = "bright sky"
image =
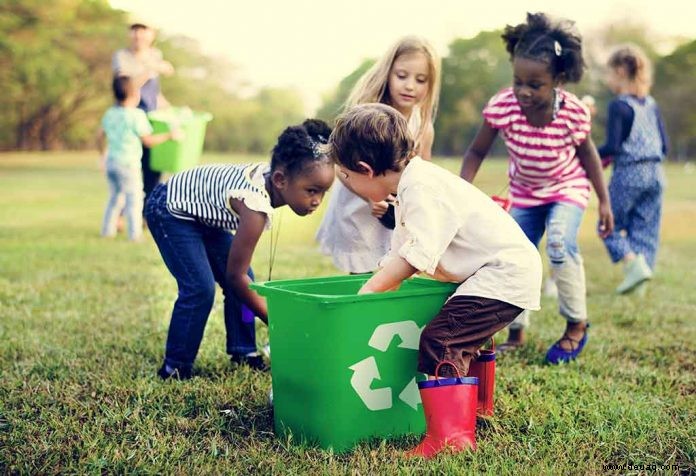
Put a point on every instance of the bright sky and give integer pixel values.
(311, 45)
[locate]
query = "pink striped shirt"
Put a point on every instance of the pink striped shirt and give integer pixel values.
(544, 167)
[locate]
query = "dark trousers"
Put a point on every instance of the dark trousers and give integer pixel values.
(196, 255)
(150, 177)
(459, 330)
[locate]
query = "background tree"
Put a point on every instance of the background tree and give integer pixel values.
(675, 92)
(52, 68)
(333, 103)
(55, 75)
(473, 71)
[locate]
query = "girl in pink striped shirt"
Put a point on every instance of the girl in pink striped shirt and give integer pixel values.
(552, 162)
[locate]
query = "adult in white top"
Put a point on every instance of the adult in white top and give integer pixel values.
(144, 64)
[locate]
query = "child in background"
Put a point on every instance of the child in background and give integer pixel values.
(552, 163)
(356, 231)
(144, 64)
(448, 229)
(192, 218)
(637, 143)
(126, 130)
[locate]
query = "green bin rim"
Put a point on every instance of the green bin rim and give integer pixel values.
(197, 115)
(429, 287)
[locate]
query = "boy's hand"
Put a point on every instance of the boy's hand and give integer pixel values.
(389, 277)
(366, 289)
(379, 208)
(606, 220)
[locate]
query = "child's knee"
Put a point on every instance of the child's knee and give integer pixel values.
(559, 246)
(201, 295)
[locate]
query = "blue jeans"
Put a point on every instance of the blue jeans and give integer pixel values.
(124, 183)
(196, 255)
(561, 222)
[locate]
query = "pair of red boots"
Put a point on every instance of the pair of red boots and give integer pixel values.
(451, 406)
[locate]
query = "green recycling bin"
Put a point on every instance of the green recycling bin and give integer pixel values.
(344, 366)
(175, 156)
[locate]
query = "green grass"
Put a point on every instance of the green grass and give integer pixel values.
(83, 323)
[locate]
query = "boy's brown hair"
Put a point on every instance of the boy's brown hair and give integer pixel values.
(374, 133)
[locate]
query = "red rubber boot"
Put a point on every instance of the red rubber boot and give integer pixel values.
(483, 368)
(450, 414)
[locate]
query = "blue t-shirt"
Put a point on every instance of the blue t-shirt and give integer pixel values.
(124, 126)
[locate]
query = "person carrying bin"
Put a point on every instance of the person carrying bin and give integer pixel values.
(144, 63)
(453, 232)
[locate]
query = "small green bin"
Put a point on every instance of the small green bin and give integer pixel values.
(175, 156)
(344, 366)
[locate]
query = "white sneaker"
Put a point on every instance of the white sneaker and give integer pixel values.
(635, 273)
(266, 351)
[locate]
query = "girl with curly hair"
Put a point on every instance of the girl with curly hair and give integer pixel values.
(553, 161)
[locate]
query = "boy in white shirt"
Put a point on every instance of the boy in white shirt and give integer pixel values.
(447, 229)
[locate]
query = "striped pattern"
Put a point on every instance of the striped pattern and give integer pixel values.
(544, 167)
(203, 193)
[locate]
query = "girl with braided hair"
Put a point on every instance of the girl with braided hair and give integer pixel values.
(192, 218)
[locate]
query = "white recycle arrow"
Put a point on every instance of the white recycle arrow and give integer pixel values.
(364, 372)
(410, 394)
(407, 330)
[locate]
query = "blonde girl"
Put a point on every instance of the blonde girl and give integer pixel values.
(355, 231)
(636, 143)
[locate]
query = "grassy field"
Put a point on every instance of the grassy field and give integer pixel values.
(83, 322)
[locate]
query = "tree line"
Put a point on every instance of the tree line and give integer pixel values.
(55, 75)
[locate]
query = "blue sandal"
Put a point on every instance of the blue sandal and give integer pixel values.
(557, 354)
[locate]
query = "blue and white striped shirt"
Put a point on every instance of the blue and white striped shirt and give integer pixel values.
(203, 193)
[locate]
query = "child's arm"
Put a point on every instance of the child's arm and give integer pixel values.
(426, 148)
(251, 225)
(589, 159)
(430, 225)
(663, 132)
(101, 147)
(394, 272)
(151, 140)
(619, 116)
(477, 151)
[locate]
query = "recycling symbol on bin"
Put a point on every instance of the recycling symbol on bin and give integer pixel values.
(365, 371)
